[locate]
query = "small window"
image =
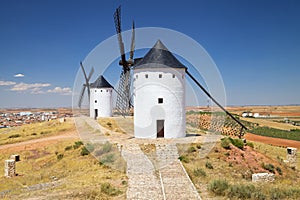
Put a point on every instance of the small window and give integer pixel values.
(146, 75)
(100, 90)
(182, 76)
(136, 76)
(173, 75)
(95, 90)
(160, 100)
(95, 101)
(106, 90)
(160, 76)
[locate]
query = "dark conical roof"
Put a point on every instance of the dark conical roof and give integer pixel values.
(101, 82)
(159, 57)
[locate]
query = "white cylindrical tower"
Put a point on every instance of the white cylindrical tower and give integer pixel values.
(100, 98)
(159, 95)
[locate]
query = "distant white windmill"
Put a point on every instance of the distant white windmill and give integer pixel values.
(99, 95)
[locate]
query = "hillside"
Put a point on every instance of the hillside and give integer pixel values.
(59, 167)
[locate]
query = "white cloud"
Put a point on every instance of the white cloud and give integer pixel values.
(5, 83)
(34, 88)
(19, 75)
(62, 91)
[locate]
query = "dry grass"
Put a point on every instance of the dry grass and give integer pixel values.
(235, 165)
(118, 124)
(79, 177)
(34, 131)
(274, 152)
(110, 123)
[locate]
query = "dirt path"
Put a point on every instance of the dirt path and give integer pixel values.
(32, 144)
(273, 141)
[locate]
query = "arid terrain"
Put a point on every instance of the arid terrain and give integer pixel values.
(56, 165)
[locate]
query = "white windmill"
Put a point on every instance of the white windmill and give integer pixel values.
(99, 95)
(159, 95)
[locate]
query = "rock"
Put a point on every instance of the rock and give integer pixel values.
(263, 177)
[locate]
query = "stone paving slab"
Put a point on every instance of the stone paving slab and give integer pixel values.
(176, 183)
(143, 182)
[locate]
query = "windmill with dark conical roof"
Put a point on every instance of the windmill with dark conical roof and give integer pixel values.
(99, 95)
(159, 95)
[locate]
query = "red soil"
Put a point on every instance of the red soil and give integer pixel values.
(273, 141)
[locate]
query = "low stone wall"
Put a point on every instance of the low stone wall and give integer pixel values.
(263, 177)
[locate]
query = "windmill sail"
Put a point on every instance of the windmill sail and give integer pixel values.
(123, 103)
(86, 85)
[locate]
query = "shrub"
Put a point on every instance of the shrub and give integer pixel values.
(276, 194)
(106, 147)
(199, 172)
(109, 124)
(191, 149)
(59, 156)
(218, 187)
(44, 132)
(238, 143)
(108, 159)
(84, 151)
(225, 143)
(33, 133)
(77, 144)
(240, 191)
(278, 169)
(67, 148)
(90, 147)
(198, 146)
(106, 188)
(258, 195)
(14, 136)
(208, 165)
(250, 144)
(269, 167)
(184, 159)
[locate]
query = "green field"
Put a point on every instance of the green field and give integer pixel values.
(293, 134)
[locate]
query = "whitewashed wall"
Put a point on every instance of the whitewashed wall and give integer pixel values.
(146, 107)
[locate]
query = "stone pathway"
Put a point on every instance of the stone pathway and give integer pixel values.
(143, 181)
(176, 183)
(167, 180)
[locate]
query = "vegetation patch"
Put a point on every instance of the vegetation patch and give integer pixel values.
(293, 134)
(184, 159)
(84, 151)
(225, 143)
(248, 191)
(59, 156)
(77, 144)
(108, 189)
(14, 136)
(269, 167)
(208, 165)
(218, 187)
(199, 172)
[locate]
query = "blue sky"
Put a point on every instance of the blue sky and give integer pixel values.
(255, 44)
